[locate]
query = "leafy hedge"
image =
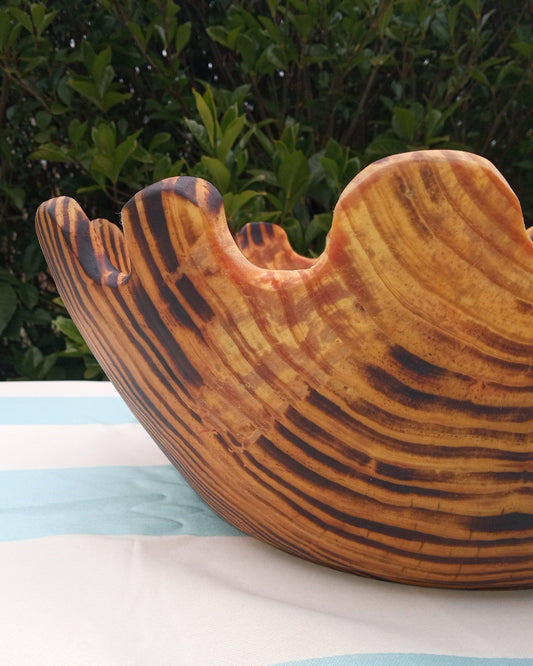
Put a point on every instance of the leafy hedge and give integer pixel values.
(279, 104)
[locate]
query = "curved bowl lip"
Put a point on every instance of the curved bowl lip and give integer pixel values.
(243, 270)
(268, 278)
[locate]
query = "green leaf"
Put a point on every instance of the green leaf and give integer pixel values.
(159, 139)
(22, 18)
(104, 136)
(102, 165)
(16, 194)
(100, 63)
(524, 48)
(219, 34)
(183, 35)
(85, 88)
(218, 171)
(122, 153)
(274, 55)
(230, 136)
(434, 122)
(76, 131)
(508, 69)
(28, 364)
(141, 37)
(384, 145)
(441, 28)
(70, 331)
(28, 294)
(206, 115)
(52, 153)
(385, 17)
(165, 168)
(37, 316)
(7, 276)
(8, 304)
(6, 27)
(294, 233)
(33, 365)
(264, 141)
(41, 20)
(478, 75)
(319, 226)
(43, 119)
(331, 169)
(293, 176)
(404, 123)
(199, 132)
(262, 176)
(112, 98)
(234, 202)
(247, 49)
(104, 80)
(32, 260)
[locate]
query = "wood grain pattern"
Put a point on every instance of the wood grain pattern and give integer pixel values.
(372, 409)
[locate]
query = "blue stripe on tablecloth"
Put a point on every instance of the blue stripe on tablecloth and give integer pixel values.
(407, 659)
(150, 500)
(35, 410)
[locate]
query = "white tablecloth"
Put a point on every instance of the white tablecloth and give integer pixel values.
(108, 558)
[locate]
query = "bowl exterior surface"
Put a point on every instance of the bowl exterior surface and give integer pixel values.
(371, 409)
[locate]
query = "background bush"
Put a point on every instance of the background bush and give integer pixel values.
(279, 104)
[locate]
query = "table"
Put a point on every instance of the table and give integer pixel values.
(108, 558)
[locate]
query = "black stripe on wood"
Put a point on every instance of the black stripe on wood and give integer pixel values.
(406, 395)
(291, 484)
(416, 364)
(255, 230)
(166, 340)
(152, 222)
(374, 478)
(197, 302)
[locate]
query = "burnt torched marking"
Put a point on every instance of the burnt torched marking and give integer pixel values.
(270, 229)
(197, 302)
(309, 451)
(255, 229)
(291, 485)
(116, 246)
(233, 440)
(393, 474)
(214, 198)
(314, 431)
(255, 232)
(173, 350)
(136, 332)
(431, 185)
(408, 396)
(78, 239)
(418, 365)
(241, 237)
(178, 310)
(174, 305)
(143, 342)
(514, 521)
(152, 223)
(401, 425)
(185, 186)
(524, 307)
(506, 345)
(51, 237)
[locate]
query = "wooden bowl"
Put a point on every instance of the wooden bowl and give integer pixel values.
(370, 410)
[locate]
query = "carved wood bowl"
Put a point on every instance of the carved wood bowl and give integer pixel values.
(370, 410)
